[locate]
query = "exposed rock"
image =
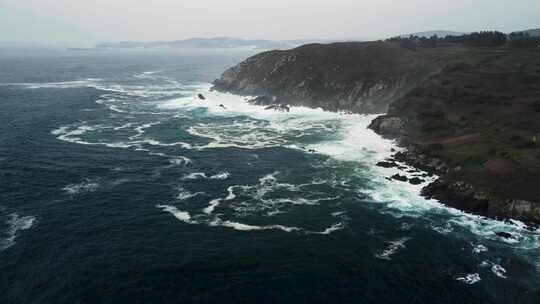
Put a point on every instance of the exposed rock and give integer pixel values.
(278, 107)
(470, 117)
(401, 178)
(416, 181)
(387, 126)
(201, 97)
(387, 164)
(504, 235)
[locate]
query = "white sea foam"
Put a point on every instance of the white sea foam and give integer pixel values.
(348, 139)
(83, 187)
(184, 194)
(215, 202)
(246, 227)
(15, 224)
(335, 227)
(495, 268)
(202, 175)
(394, 247)
(183, 216)
(470, 279)
(89, 82)
(180, 160)
(479, 249)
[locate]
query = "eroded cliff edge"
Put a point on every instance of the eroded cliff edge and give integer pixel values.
(356, 77)
(470, 115)
(477, 125)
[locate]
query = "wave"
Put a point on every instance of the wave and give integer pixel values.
(470, 279)
(201, 175)
(245, 227)
(83, 187)
(215, 202)
(394, 247)
(185, 195)
(88, 82)
(333, 228)
(15, 224)
(496, 269)
(183, 216)
(343, 138)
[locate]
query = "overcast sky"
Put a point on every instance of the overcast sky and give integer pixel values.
(89, 21)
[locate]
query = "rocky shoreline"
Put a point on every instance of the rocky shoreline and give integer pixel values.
(460, 194)
(468, 115)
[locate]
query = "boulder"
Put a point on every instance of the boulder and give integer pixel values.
(400, 178)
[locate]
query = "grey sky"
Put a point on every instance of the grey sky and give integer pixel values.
(90, 21)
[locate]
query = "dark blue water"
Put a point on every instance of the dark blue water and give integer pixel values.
(118, 185)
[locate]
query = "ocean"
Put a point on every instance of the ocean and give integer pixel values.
(118, 184)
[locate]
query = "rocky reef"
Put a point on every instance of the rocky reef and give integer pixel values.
(468, 115)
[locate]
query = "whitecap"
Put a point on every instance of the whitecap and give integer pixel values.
(212, 205)
(479, 249)
(246, 227)
(470, 279)
(202, 175)
(394, 247)
(496, 269)
(184, 194)
(83, 187)
(15, 224)
(183, 216)
(335, 227)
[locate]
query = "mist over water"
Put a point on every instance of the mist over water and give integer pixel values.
(121, 185)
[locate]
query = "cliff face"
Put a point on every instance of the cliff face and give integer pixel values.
(470, 115)
(478, 121)
(357, 77)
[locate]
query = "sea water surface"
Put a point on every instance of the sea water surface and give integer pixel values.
(119, 185)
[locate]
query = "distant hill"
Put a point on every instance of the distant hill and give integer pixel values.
(216, 42)
(439, 33)
(533, 32)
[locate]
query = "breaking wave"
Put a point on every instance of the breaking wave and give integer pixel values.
(225, 120)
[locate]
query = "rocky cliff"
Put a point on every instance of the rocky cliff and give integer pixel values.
(356, 77)
(477, 125)
(470, 115)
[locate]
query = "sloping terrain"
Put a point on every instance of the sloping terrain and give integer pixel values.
(477, 124)
(357, 77)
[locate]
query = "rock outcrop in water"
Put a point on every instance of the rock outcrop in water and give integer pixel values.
(469, 115)
(356, 77)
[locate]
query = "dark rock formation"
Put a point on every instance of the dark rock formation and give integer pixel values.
(416, 181)
(201, 97)
(504, 235)
(401, 178)
(475, 125)
(387, 164)
(278, 107)
(357, 77)
(469, 115)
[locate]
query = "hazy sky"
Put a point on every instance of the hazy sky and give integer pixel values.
(91, 21)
